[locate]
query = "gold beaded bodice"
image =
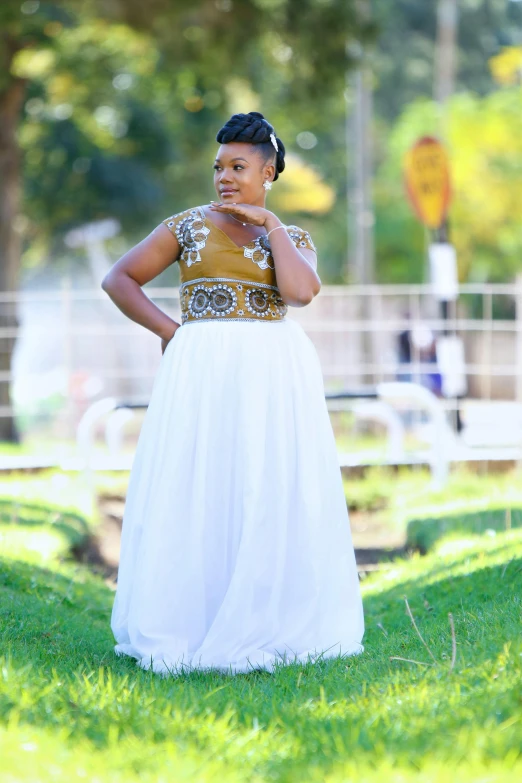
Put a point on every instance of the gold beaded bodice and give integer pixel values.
(221, 280)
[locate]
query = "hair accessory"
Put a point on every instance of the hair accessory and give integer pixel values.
(274, 229)
(274, 142)
(267, 184)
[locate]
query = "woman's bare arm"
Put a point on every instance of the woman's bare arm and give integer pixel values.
(141, 264)
(296, 269)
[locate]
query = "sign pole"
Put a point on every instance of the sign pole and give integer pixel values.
(427, 177)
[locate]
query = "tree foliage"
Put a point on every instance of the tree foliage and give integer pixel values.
(403, 58)
(480, 120)
(123, 101)
(484, 137)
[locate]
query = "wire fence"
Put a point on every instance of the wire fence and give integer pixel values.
(72, 346)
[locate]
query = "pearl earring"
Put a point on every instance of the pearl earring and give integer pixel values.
(267, 185)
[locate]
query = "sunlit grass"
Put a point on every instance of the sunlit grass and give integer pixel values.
(43, 515)
(71, 709)
(67, 697)
(404, 500)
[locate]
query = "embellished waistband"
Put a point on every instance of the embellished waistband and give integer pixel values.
(222, 299)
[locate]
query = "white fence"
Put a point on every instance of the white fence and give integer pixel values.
(74, 346)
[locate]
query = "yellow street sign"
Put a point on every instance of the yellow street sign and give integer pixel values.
(427, 175)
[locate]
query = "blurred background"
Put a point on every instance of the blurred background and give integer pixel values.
(403, 126)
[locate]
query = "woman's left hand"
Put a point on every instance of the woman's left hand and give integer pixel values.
(247, 213)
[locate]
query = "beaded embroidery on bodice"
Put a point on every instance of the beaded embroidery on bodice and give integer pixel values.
(191, 232)
(217, 280)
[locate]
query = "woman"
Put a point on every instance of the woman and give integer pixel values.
(236, 549)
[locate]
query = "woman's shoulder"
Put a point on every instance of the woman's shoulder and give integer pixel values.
(301, 237)
(180, 221)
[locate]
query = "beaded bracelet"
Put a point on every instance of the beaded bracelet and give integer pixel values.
(274, 229)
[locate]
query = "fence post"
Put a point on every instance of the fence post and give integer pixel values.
(67, 341)
(518, 346)
(487, 317)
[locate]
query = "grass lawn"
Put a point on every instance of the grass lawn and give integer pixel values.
(43, 515)
(72, 710)
(402, 504)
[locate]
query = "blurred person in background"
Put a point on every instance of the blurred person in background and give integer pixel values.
(404, 351)
(425, 347)
(417, 345)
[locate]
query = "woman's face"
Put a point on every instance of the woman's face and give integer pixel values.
(239, 173)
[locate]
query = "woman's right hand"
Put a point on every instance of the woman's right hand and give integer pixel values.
(165, 341)
(142, 263)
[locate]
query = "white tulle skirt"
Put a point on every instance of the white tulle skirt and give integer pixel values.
(236, 549)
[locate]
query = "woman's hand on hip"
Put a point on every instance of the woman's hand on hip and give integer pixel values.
(166, 340)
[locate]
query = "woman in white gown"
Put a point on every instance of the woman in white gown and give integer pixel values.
(236, 549)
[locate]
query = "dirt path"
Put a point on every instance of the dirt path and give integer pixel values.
(376, 545)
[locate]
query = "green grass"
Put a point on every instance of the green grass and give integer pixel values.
(407, 492)
(38, 445)
(72, 710)
(404, 500)
(43, 515)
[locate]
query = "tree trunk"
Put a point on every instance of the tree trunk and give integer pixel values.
(11, 99)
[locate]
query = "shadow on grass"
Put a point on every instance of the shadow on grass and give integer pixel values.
(47, 616)
(72, 526)
(34, 599)
(478, 600)
(422, 534)
(433, 572)
(57, 625)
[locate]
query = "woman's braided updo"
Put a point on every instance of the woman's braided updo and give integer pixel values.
(254, 129)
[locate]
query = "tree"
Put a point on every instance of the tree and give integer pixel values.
(36, 55)
(404, 54)
(484, 137)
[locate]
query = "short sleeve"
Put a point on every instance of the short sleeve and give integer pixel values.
(175, 222)
(178, 225)
(191, 231)
(301, 238)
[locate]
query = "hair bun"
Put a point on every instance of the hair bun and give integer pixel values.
(252, 128)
